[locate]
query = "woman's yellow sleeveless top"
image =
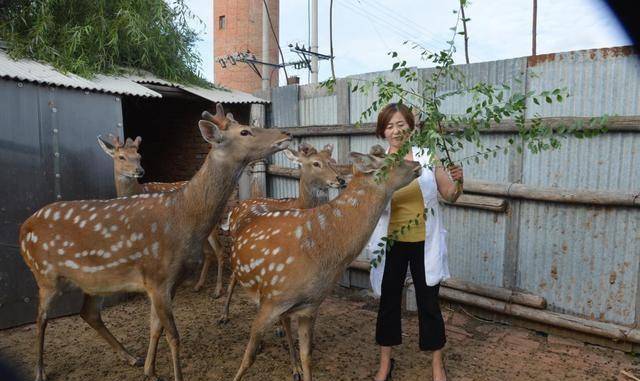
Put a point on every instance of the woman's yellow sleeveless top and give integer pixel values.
(406, 204)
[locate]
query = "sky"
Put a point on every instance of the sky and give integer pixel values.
(364, 31)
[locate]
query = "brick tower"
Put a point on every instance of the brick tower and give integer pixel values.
(237, 27)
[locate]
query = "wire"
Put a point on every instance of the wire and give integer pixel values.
(413, 35)
(373, 26)
(266, 8)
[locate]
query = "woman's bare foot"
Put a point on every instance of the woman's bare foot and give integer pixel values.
(439, 372)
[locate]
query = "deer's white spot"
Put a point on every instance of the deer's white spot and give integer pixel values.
(277, 250)
(135, 256)
(65, 243)
(129, 244)
(92, 208)
(71, 264)
(276, 232)
(46, 213)
(289, 260)
(308, 223)
(276, 214)
(274, 280)
(322, 220)
(61, 251)
(34, 238)
(76, 219)
(122, 260)
(113, 228)
(337, 212)
(93, 216)
(263, 271)
(23, 245)
(84, 207)
(353, 201)
(154, 248)
(69, 213)
(56, 215)
(82, 223)
(97, 227)
(298, 232)
(279, 267)
(45, 246)
(120, 208)
(154, 227)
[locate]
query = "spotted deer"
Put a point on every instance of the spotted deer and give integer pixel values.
(289, 260)
(139, 243)
(127, 170)
(317, 174)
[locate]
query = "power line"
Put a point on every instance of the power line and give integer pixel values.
(406, 35)
(403, 19)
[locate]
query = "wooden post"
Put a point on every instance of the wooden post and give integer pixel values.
(343, 147)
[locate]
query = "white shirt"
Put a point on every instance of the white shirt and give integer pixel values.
(436, 265)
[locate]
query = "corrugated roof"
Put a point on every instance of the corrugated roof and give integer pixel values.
(214, 94)
(36, 72)
(44, 74)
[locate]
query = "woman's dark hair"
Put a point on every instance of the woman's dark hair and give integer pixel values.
(387, 113)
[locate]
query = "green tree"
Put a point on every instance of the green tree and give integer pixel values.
(105, 36)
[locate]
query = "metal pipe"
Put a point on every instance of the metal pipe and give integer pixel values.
(314, 41)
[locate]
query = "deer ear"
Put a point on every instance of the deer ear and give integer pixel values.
(363, 163)
(292, 155)
(230, 117)
(107, 147)
(137, 141)
(210, 132)
(328, 148)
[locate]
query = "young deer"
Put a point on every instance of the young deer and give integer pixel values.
(127, 169)
(317, 175)
(289, 260)
(139, 243)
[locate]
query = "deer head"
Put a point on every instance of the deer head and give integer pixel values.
(398, 176)
(318, 168)
(126, 159)
(243, 143)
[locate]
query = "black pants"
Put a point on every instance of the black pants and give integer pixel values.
(388, 327)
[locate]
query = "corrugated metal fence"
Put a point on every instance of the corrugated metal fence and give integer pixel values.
(583, 259)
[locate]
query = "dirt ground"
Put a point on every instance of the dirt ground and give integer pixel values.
(344, 346)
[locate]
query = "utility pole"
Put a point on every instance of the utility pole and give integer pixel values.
(314, 41)
(266, 82)
(535, 23)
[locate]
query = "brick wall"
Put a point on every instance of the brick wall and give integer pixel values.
(242, 32)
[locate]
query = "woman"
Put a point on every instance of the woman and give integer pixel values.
(422, 247)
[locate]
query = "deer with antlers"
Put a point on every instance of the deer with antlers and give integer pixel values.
(139, 243)
(289, 260)
(317, 174)
(127, 170)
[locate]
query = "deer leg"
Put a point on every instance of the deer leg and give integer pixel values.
(44, 303)
(207, 257)
(219, 253)
(265, 318)
(225, 311)
(305, 334)
(155, 328)
(91, 314)
(161, 302)
(295, 366)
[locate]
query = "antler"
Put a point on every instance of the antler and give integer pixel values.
(307, 149)
(377, 150)
(115, 141)
(219, 119)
